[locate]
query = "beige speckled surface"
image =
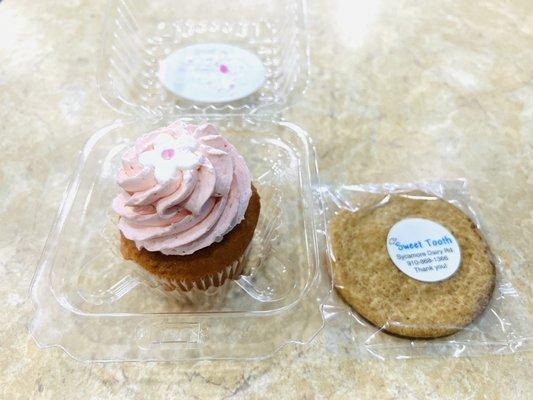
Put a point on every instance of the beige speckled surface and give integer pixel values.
(400, 91)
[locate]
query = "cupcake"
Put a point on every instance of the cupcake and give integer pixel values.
(187, 209)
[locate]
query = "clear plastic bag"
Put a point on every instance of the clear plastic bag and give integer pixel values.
(503, 327)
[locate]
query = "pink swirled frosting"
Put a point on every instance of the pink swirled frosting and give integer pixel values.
(184, 188)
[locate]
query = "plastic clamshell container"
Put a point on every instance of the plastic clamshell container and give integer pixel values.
(141, 33)
(99, 307)
(93, 303)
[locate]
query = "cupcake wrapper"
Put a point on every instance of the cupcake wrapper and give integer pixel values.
(204, 290)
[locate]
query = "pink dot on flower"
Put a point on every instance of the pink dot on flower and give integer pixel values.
(167, 154)
(223, 68)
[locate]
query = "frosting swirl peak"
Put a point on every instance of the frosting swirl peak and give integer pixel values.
(184, 188)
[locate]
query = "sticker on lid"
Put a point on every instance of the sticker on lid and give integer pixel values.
(212, 73)
(423, 249)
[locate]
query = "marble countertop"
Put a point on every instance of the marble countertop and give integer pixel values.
(452, 80)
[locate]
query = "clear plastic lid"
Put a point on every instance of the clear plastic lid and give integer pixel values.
(95, 305)
(139, 35)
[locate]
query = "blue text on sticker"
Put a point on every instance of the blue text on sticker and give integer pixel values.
(445, 240)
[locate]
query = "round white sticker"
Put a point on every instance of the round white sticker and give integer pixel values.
(212, 73)
(423, 249)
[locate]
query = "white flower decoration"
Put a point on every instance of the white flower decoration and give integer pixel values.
(170, 155)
